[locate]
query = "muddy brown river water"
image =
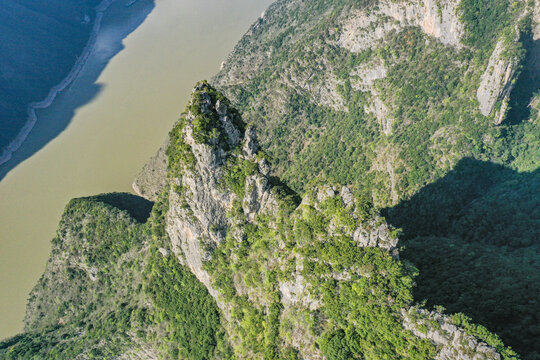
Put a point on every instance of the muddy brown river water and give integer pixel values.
(118, 111)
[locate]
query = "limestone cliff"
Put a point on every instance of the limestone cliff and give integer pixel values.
(359, 104)
(363, 29)
(498, 80)
(231, 263)
(385, 79)
(152, 180)
(268, 259)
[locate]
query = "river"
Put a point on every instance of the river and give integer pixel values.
(113, 117)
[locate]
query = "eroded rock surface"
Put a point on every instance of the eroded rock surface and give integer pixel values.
(364, 29)
(496, 82)
(208, 211)
(153, 177)
(453, 342)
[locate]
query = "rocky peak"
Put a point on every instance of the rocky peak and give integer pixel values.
(259, 254)
(214, 169)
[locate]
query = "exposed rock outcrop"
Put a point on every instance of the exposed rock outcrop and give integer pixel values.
(288, 275)
(363, 30)
(153, 177)
(496, 82)
(220, 195)
(364, 78)
(198, 201)
(453, 342)
(374, 232)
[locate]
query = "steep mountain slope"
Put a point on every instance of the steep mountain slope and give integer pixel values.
(390, 97)
(40, 42)
(310, 279)
(108, 291)
(423, 111)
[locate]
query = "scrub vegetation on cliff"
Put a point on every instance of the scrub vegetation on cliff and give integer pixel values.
(398, 220)
(218, 270)
(380, 98)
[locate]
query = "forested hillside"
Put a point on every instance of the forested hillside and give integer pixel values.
(230, 263)
(389, 95)
(428, 109)
(390, 210)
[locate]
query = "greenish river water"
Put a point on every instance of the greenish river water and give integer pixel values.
(119, 110)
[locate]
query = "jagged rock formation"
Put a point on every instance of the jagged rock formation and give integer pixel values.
(232, 263)
(292, 279)
(222, 207)
(197, 216)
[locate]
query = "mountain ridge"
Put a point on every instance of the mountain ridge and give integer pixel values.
(264, 257)
(375, 158)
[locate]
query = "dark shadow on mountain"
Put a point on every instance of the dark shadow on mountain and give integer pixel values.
(475, 237)
(118, 23)
(138, 207)
(527, 83)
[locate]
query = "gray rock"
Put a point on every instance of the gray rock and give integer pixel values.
(438, 18)
(250, 142)
(197, 218)
(452, 342)
(347, 196)
(152, 179)
(496, 82)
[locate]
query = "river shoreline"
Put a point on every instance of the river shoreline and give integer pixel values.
(7, 153)
(97, 134)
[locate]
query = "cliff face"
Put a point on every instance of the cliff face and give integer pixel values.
(232, 263)
(407, 106)
(497, 81)
(363, 29)
(268, 259)
(274, 276)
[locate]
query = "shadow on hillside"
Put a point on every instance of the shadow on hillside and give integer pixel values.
(475, 237)
(118, 23)
(136, 206)
(527, 84)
